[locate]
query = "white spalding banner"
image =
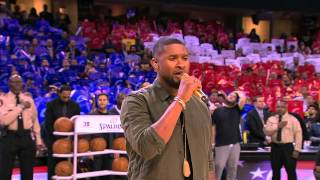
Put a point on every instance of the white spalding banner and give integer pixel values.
(97, 124)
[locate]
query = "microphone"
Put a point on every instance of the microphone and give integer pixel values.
(200, 94)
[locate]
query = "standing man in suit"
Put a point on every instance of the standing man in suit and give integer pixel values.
(256, 119)
(62, 106)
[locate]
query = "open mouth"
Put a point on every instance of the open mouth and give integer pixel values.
(179, 74)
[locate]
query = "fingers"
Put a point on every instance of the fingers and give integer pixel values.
(26, 104)
(192, 79)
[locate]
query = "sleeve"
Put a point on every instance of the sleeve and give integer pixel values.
(253, 128)
(270, 127)
(297, 132)
(136, 122)
(318, 159)
(214, 117)
(36, 125)
(77, 110)
(48, 123)
(211, 163)
(304, 129)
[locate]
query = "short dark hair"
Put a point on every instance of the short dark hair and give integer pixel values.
(164, 41)
(65, 88)
(255, 98)
(315, 106)
(102, 94)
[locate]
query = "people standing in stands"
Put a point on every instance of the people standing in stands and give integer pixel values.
(226, 133)
(46, 15)
(62, 106)
(19, 116)
(253, 36)
(286, 138)
(62, 19)
(256, 119)
(33, 16)
(17, 14)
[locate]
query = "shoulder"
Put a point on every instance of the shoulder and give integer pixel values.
(252, 112)
(93, 113)
(293, 118)
(52, 102)
(143, 93)
(74, 103)
(27, 96)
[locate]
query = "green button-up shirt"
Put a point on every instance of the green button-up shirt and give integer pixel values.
(149, 157)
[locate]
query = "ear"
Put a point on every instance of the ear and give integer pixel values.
(154, 64)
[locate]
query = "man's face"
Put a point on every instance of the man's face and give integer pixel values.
(15, 84)
(309, 100)
(49, 43)
(312, 111)
(65, 63)
(65, 96)
(232, 97)
(45, 63)
(102, 102)
(172, 63)
(214, 97)
(281, 107)
(260, 104)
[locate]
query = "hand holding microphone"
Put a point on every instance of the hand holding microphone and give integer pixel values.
(190, 85)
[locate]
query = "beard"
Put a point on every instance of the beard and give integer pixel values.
(172, 82)
(230, 103)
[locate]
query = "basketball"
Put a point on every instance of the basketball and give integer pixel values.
(120, 164)
(119, 143)
(98, 144)
(62, 146)
(64, 168)
(63, 124)
(83, 145)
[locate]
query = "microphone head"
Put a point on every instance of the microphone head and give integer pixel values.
(199, 93)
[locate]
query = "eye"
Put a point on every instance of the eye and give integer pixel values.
(172, 58)
(185, 58)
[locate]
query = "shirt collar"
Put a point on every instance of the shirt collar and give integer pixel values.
(259, 110)
(10, 93)
(160, 91)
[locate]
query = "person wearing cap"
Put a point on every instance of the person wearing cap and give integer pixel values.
(226, 134)
(18, 114)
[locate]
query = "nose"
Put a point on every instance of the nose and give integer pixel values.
(181, 62)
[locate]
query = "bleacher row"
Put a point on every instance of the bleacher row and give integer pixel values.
(109, 72)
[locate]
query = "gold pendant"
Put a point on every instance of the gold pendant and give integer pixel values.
(186, 168)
